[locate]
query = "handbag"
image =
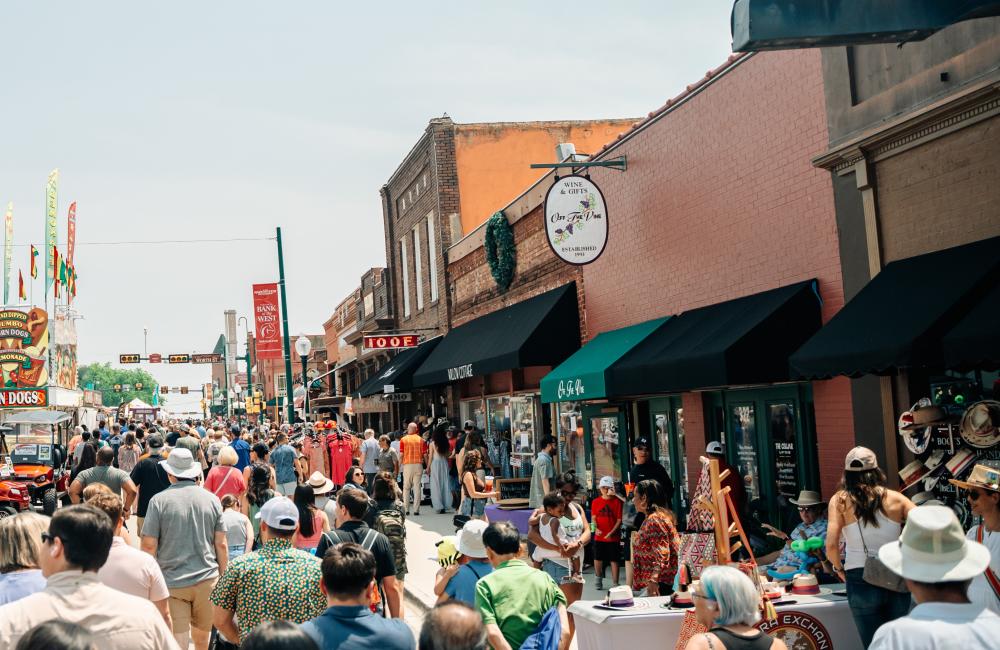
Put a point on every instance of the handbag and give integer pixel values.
(877, 574)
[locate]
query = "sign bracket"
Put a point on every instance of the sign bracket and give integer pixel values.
(619, 164)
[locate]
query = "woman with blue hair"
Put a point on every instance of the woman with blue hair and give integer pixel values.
(727, 603)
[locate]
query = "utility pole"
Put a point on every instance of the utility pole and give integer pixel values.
(284, 326)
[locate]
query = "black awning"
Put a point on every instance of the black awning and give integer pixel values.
(738, 342)
(398, 371)
(540, 331)
(899, 318)
(975, 342)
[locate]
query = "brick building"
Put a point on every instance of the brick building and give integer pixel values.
(722, 235)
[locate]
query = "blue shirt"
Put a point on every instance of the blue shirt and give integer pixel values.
(242, 448)
(283, 459)
(105, 434)
(18, 584)
(789, 557)
(462, 585)
(201, 431)
(356, 628)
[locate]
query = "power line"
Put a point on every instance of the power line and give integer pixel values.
(162, 241)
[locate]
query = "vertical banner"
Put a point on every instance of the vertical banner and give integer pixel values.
(267, 318)
(51, 226)
(71, 234)
(8, 251)
(34, 262)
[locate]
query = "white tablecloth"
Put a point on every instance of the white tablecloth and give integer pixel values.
(811, 623)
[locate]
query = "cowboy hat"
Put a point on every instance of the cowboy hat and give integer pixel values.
(982, 476)
(808, 498)
(319, 483)
(932, 548)
(980, 424)
(925, 416)
(180, 464)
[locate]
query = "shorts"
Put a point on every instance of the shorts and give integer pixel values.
(287, 489)
(192, 606)
(472, 507)
(557, 571)
(607, 551)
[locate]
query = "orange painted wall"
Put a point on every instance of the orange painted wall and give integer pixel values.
(494, 160)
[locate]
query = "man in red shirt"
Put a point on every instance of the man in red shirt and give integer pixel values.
(412, 450)
(606, 513)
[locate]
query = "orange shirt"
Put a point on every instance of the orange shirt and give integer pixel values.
(413, 449)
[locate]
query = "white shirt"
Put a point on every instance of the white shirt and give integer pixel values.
(940, 626)
(116, 620)
(980, 591)
(130, 570)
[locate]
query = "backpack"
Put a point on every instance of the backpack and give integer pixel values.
(337, 536)
(389, 521)
(115, 442)
(546, 635)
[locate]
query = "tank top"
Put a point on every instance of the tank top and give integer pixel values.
(872, 537)
(733, 641)
(311, 542)
(570, 530)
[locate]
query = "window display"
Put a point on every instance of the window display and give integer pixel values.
(605, 433)
(572, 450)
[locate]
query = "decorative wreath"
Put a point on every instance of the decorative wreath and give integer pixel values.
(501, 253)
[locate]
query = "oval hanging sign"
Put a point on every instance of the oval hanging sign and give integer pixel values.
(576, 219)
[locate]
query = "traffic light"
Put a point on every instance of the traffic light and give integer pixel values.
(138, 385)
(184, 390)
(118, 388)
(164, 390)
(128, 358)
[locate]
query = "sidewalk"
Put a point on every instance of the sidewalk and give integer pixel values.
(426, 529)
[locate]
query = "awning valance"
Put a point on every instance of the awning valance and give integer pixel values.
(539, 331)
(738, 342)
(898, 320)
(398, 371)
(585, 374)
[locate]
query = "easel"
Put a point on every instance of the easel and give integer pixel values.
(727, 526)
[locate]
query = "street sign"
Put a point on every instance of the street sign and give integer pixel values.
(206, 358)
(389, 388)
(397, 397)
(129, 358)
(391, 342)
(179, 358)
(156, 358)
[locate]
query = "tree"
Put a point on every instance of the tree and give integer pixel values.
(102, 377)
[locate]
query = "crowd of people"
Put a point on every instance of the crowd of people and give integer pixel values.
(240, 539)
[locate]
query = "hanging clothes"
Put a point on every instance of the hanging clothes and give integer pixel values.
(341, 452)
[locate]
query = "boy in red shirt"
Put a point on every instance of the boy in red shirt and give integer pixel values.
(606, 513)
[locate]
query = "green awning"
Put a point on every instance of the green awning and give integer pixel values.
(584, 375)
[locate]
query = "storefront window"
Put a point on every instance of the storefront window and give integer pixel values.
(663, 441)
(745, 437)
(572, 451)
(682, 457)
(781, 419)
(606, 439)
(473, 410)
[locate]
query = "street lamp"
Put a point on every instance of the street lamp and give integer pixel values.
(236, 389)
(304, 346)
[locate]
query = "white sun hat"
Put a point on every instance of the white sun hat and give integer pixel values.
(933, 548)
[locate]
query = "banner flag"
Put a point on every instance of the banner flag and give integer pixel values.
(34, 262)
(8, 251)
(51, 227)
(54, 275)
(20, 286)
(71, 233)
(267, 318)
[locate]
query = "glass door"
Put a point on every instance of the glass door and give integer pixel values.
(606, 444)
(667, 424)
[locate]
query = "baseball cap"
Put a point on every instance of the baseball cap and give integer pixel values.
(469, 424)
(860, 459)
(154, 441)
(279, 513)
(606, 482)
(642, 441)
(714, 447)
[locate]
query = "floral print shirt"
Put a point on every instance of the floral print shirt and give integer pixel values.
(277, 582)
(655, 552)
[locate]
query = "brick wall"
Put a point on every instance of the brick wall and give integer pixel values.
(942, 193)
(720, 200)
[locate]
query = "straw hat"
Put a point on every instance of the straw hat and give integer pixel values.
(319, 483)
(925, 416)
(933, 548)
(981, 424)
(982, 476)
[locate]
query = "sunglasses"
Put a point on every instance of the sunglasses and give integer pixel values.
(47, 539)
(643, 450)
(974, 495)
(807, 508)
(695, 594)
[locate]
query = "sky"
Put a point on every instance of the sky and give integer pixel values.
(224, 120)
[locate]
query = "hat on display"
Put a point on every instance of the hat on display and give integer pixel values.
(982, 476)
(808, 498)
(279, 513)
(915, 439)
(912, 473)
(606, 482)
(642, 441)
(470, 539)
(981, 424)
(923, 416)
(319, 483)
(860, 459)
(933, 548)
(180, 464)
(447, 550)
(961, 461)
(714, 447)
(926, 499)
